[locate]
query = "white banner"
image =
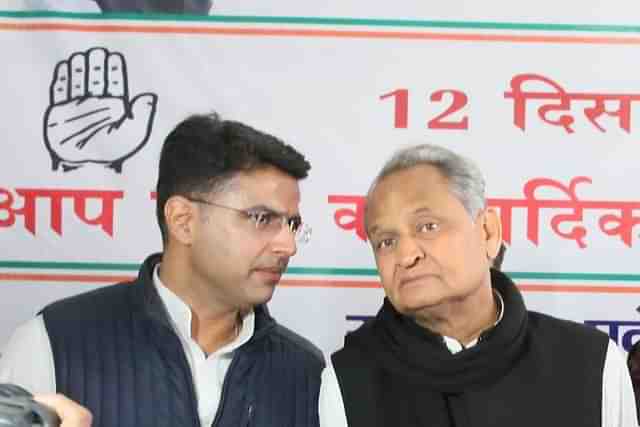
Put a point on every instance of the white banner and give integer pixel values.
(549, 112)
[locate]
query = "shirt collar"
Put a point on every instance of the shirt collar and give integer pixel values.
(456, 346)
(180, 317)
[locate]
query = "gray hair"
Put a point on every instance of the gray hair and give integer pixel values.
(466, 182)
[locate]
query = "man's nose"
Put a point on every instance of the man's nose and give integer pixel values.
(409, 252)
(284, 242)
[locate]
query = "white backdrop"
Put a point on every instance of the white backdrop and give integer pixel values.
(347, 84)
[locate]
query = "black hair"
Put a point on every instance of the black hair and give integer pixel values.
(204, 152)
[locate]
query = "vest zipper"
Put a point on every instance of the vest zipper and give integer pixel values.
(257, 334)
(223, 394)
(249, 416)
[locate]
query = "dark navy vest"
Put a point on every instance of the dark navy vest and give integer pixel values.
(116, 353)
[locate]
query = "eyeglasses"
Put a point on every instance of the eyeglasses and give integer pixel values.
(268, 221)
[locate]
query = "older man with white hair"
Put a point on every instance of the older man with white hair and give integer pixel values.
(453, 344)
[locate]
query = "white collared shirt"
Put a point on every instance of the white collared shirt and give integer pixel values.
(27, 359)
(208, 372)
(456, 346)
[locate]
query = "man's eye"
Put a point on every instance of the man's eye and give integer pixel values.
(294, 224)
(384, 244)
(428, 227)
(262, 219)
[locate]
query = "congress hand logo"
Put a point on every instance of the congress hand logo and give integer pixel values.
(90, 118)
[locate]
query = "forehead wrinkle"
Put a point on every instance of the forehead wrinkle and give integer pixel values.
(422, 210)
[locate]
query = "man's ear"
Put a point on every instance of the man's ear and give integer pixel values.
(492, 232)
(180, 214)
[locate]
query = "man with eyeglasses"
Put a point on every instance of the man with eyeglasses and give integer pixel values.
(190, 342)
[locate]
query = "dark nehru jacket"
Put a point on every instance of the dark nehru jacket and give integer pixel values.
(530, 370)
(116, 353)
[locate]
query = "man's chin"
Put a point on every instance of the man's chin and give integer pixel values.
(261, 293)
(413, 306)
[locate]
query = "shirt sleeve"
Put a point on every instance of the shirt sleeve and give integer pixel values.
(27, 359)
(618, 400)
(331, 406)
